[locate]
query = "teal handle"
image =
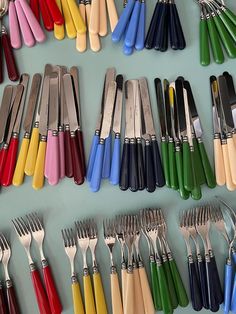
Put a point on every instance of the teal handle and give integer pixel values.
(164, 291)
(230, 15)
(197, 164)
(188, 169)
(172, 166)
(170, 284)
(196, 192)
(179, 166)
(155, 286)
(204, 44)
(215, 41)
(229, 25)
(210, 176)
(165, 161)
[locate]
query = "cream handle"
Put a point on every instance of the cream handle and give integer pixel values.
(115, 295)
(81, 38)
(229, 183)
(232, 158)
(219, 162)
(146, 292)
(103, 18)
(234, 137)
(112, 13)
(129, 297)
(93, 38)
(94, 21)
(123, 283)
(138, 295)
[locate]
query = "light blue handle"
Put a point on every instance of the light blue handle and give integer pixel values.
(123, 20)
(92, 156)
(131, 33)
(140, 38)
(227, 288)
(106, 167)
(97, 169)
(128, 50)
(115, 164)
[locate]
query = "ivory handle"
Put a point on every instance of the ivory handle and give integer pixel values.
(146, 292)
(138, 295)
(219, 162)
(112, 13)
(129, 297)
(94, 22)
(115, 295)
(103, 18)
(232, 158)
(93, 38)
(229, 182)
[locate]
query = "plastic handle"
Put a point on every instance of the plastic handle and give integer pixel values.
(69, 24)
(217, 285)
(18, 177)
(92, 156)
(32, 152)
(103, 18)
(62, 154)
(215, 41)
(14, 27)
(158, 170)
(230, 15)
(170, 284)
(97, 169)
(172, 166)
(9, 168)
(231, 28)
(210, 177)
(138, 295)
(59, 30)
(179, 29)
(1, 68)
(124, 169)
(188, 169)
(40, 294)
(195, 291)
(38, 178)
(117, 307)
(3, 303)
(149, 40)
(112, 13)
(164, 291)
(229, 303)
(12, 70)
(196, 192)
(94, 39)
(165, 161)
(140, 37)
(88, 295)
(3, 158)
(133, 168)
(53, 297)
(162, 27)
(213, 303)
(140, 164)
(48, 154)
(180, 173)
(33, 22)
(34, 4)
(203, 283)
(101, 307)
(106, 167)
(155, 286)
(129, 298)
(46, 17)
(13, 305)
(232, 155)
(94, 23)
(55, 12)
(76, 16)
(146, 292)
(228, 178)
(54, 162)
(115, 163)
(149, 167)
(204, 43)
(123, 21)
(77, 298)
(172, 29)
(68, 155)
(131, 32)
(81, 39)
(123, 283)
(76, 161)
(198, 163)
(219, 162)
(128, 51)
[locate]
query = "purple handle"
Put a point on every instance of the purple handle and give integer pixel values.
(33, 22)
(48, 157)
(24, 26)
(62, 154)
(14, 27)
(54, 162)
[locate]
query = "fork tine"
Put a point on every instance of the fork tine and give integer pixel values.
(24, 225)
(4, 241)
(16, 227)
(22, 229)
(31, 223)
(38, 221)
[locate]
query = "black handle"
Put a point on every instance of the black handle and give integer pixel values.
(164, 44)
(124, 169)
(210, 272)
(195, 291)
(149, 167)
(218, 289)
(133, 166)
(158, 169)
(149, 40)
(141, 172)
(162, 29)
(172, 28)
(179, 30)
(203, 282)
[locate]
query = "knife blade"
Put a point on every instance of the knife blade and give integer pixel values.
(167, 106)
(161, 109)
(53, 103)
(180, 107)
(216, 108)
(232, 95)
(43, 116)
(4, 110)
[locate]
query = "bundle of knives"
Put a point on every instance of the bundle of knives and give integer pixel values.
(53, 148)
(224, 122)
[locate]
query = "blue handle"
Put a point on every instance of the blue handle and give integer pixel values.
(140, 38)
(227, 289)
(234, 257)
(97, 169)
(115, 164)
(128, 50)
(92, 156)
(131, 33)
(106, 168)
(123, 20)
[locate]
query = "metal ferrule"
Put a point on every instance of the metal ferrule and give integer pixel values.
(127, 140)
(132, 141)
(191, 148)
(170, 256)
(60, 128)
(171, 140)
(54, 133)
(135, 265)
(199, 139)
(72, 133)
(32, 267)
(229, 135)
(224, 141)
(74, 279)
(15, 135)
(117, 135)
(153, 137)
(101, 141)
(95, 269)
(158, 261)
(27, 135)
(164, 258)
(3, 30)
(208, 16)
(8, 284)
(67, 127)
(44, 263)
(199, 258)
(123, 265)
(147, 142)
(130, 269)
(138, 140)
(211, 253)
(185, 139)
(216, 136)
(152, 258)
(163, 139)
(190, 259)
(36, 124)
(213, 14)
(228, 261)
(207, 258)
(97, 132)
(43, 138)
(140, 264)
(113, 270)
(85, 272)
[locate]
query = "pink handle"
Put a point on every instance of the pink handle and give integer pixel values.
(48, 157)
(62, 154)
(33, 22)
(14, 26)
(24, 26)
(54, 162)
(53, 297)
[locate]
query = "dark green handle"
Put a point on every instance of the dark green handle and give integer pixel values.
(188, 169)
(155, 286)
(172, 166)
(197, 164)
(230, 15)
(204, 44)
(165, 161)
(164, 291)
(229, 25)
(170, 284)
(179, 286)
(215, 41)
(196, 192)
(210, 176)
(179, 165)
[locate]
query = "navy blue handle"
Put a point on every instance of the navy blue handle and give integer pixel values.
(128, 50)
(203, 283)
(133, 167)
(140, 38)
(210, 273)
(162, 28)
(124, 169)
(218, 289)
(229, 303)
(172, 28)
(179, 30)
(106, 168)
(97, 169)
(141, 171)
(195, 291)
(149, 41)
(149, 168)
(92, 156)
(158, 169)
(131, 33)
(115, 164)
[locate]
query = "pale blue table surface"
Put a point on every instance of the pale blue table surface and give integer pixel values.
(61, 205)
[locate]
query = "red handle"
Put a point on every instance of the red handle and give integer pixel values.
(41, 296)
(47, 19)
(9, 57)
(9, 168)
(1, 66)
(53, 297)
(11, 299)
(76, 161)
(81, 149)
(55, 12)
(3, 305)
(34, 4)
(68, 155)
(3, 158)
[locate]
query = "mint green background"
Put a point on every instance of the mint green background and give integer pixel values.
(61, 205)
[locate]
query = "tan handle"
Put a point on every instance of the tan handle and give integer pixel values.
(234, 137)
(112, 13)
(81, 43)
(232, 158)
(123, 283)
(219, 162)
(115, 295)
(94, 21)
(93, 38)
(138, 295)
(146, 292)
(129, 297)
(103, 18)
(229, 183)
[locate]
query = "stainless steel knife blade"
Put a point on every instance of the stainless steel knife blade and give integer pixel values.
(53, 102)
(187, 116)
(118, 105)
(167, 107)
(137, 111)
(75, 79)
(161, 108)
(232, 94)
(216, 108)
(5, 109)
(43, 115)
(180, 107)
(129, 109)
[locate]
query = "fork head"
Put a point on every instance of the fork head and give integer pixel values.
(82, 235)
(218, 219)
(69, 242)
(23, 231)
(109, 233)
(183, 225)
(5, 248)
(36, 227)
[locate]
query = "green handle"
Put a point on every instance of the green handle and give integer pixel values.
(230, 15)
(179, 165)
(170, 284)
(197, 164)
(179, 286)
(165, 161)
(210, 176)
(155, 286)
(225, 37)
(165, 294)
(204, 44)
(215, 41)
(229, 25)
(172, 166)
(196, 192)
(188, 169)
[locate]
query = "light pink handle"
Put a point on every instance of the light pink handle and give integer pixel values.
(24, 26)
(48, 152)
(14, 27)
(62, 154)
(54, 162)
(33, 22)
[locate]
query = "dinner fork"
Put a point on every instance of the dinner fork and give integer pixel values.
(3, 303)
(38, 234)
(13, 306)
(24, 235)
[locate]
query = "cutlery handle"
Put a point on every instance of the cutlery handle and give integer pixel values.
(230, 15)
(69, 24)
(59, 30)
(205, 58)
(112, 13)
(203, 283)
(133, 167)
(149, 40)
(231, 28)
(140, 37)
(198, 163)
(62, 154)
(3, 303)
(101, 307)
(179, 29)
(68, 155)
(32, 152)
(172, 166)
(54, 162)
(34, 4)
(94, 22)
(122, 22)
(213, 302)
(123, 283)
(106, 167)
(172, 29)
(94, 40)
(11, 299)
(88, 295)
(18, 177)
(46, 16)
(195, 291)
(158, 170)
(232, 154)
(215, 41)
(132, 28)
(228, 178)
(48, 154)
(38, 177)
(77, 298)
(9, 168)
(55, 12)
(219, 162)
(80, 139)
(170, 284)
(12, 70)
(146, 292)
(115, 163)
(129, 298)
(81, 39)
(76, 161)
(138, 294)
(180, 171)
(210, 177)
(162, 27)
(103, 18)
(14, 26)
(124, 169)
(97, 168)
(149, 167)
(188, 169)
(164, 291)
(155, 286)
(140, 162)
(196, 192)
(76, 16)
(3, 158)
(165, 161)
(117, 307)
(229, 293)
(92, 156)
(217, 285)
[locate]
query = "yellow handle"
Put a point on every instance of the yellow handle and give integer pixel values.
(112, 13)
(77, 299)
(232, 158)
(94, 21)
(93, 38)
(81, 38)
(103, 18)
(129, 297)
(32, 152)
(138, 296)
(123, 283)
(76, 16)
(115, 295)
(18, 177)
(88, 296)
(146, 292)
(59, 31)
(38, 178)
(69, 24)
(100, 300)
(229, 182)
(219, 162)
